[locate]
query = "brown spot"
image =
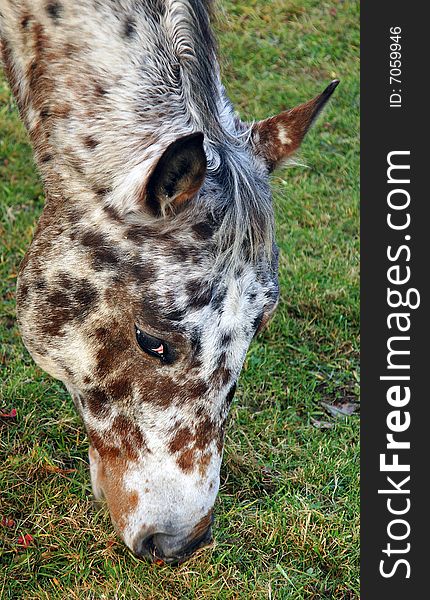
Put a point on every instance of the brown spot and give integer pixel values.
(74, 216)
(203, 230)
(84, 296)
(218, 297)
(186, 459)
(222, 373)
(93, 239)
(160, 392)
(182, 438)
(54, 10)
(112, 212)
(141, 234)
(98, 403)
(101, 192)
(69, 299)
(199, 293)
(182, 253)
(90, 142)
(59, 314)
(102, 255)
(197, 389)
(122, 441)
(103, 445)
(221, 376)
(131, 437)
(113, 349)
(99, 90)
(119, 388)
(104, 258)
(205, 433)
(141, 272)
(61, 110)
(203, 463)
(40, 283)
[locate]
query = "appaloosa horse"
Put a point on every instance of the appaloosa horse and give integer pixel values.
(153, 264)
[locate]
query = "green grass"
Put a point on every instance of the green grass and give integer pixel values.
(287, 512)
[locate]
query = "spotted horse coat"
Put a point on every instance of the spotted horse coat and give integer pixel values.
(153, 264)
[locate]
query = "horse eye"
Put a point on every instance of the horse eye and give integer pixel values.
(152, 345)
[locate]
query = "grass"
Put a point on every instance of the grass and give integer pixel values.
(287, 512)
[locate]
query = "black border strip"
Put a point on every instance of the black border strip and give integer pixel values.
(385, 129)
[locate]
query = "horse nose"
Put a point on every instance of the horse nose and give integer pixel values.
(165, 547)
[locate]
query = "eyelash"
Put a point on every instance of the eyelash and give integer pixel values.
(152, 346)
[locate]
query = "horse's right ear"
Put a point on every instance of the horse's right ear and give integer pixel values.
(178, 175)
(275, 139)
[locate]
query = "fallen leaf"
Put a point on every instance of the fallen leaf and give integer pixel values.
(25, 540)
(54, 469)
(10, 415)
(341, 408)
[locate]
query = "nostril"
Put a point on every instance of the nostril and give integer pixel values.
(170, 549)
(148, 548)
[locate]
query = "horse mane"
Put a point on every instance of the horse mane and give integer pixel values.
(236, 183)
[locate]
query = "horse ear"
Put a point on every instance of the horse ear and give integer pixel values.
(276, 138)
(178, 175)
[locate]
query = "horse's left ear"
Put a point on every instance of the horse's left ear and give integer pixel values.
(178, 175)
(276, 138)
